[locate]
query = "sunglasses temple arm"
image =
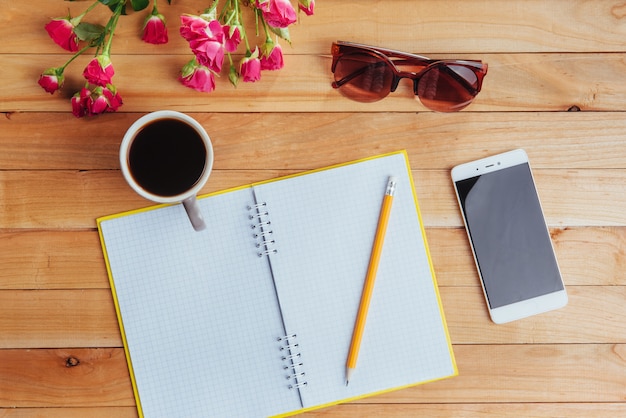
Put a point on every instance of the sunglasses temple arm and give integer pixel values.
(360, 71)
(463, 81)
(390, 52)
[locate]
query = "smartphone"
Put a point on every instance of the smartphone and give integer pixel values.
(509, 237)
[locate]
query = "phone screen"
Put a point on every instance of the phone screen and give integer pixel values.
(509, 235)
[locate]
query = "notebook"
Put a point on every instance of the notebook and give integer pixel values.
(253, 317)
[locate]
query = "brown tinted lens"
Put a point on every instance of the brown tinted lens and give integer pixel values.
(447, 87)
(363, 77)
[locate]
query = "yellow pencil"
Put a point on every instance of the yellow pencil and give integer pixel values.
(370, 278)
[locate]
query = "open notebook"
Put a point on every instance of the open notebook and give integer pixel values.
(254, 315)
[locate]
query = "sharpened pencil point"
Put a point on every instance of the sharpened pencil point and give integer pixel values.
(348, 374)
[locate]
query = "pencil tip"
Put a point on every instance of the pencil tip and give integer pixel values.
(348, 374)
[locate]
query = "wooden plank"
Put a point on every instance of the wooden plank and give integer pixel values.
(484, 410)
(63, 412)
(585, 373)
(301, 141)
(86, 318)
(425, 26)
(57, 141)
(528, 373)
(53, 259)
(57, 319)
(515, 82)
(67, 377)
(74, 199)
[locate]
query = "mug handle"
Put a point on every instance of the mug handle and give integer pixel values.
(193, 211)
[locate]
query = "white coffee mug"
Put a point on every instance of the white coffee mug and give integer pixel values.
(167, 157)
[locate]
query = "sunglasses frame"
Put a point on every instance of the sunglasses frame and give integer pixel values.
(386, 57)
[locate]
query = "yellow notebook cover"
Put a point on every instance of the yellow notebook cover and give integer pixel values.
(254, 315)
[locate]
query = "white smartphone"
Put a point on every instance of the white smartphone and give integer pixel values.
(509, 237)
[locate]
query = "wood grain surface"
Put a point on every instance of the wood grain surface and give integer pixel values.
(556, 87)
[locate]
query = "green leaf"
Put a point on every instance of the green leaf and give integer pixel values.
(139, 4)
(233, 76)
(88, 31)
(112, 4)
(282, 32)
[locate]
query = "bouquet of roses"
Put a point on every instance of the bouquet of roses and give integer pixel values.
(212, 36)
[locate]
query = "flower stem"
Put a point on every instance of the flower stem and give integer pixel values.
(268, 35)
(76, 55)
(110, 28)
(76, 20)
(242, 28)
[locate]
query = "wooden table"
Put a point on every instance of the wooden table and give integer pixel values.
(556, 87)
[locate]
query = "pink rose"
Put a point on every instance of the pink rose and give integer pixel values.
(62, 33)
(307, 6)
(274, 59)
(79, 108)
(192, 27)
(52, 79)
(154, 30)
(209, 53)
(206, 40)
(49, 82)
(195, 27)
(197, 77)
(250, 67)
(278, 13)
(94, 102)
(99, 71)
(97, 104)
(233, 38)
(113, 98)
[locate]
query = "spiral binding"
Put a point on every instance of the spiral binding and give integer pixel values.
(295, 375)
(262, 226)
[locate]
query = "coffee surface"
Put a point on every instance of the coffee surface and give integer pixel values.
(167, 157)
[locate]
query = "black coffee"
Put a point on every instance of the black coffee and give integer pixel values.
(167, 157)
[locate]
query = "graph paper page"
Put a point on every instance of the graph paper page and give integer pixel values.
(199, 311)
(324, 225)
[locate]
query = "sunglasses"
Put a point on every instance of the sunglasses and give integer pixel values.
(368, 74)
